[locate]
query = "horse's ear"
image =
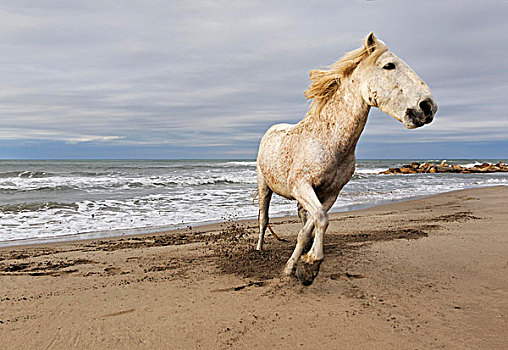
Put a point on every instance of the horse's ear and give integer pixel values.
(370, 42)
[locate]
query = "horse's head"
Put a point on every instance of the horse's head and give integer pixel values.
(391, 85)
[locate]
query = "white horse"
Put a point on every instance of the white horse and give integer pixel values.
(311, 161)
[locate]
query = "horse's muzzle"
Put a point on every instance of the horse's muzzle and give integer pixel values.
(422, 114)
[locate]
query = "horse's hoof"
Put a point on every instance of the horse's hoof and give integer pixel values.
(306, 272)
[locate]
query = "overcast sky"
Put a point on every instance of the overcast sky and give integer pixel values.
(205, 79)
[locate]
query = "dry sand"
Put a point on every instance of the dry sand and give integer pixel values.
(423, 274)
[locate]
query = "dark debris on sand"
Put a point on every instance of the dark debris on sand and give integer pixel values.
(235, 249)
(232, 249)
(236, 254)
(41, 268)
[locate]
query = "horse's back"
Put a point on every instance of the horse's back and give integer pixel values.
(274, 136)
(278, 128)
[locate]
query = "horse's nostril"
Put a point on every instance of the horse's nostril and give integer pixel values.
(426, 107)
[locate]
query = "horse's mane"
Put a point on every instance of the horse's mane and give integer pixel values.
(325, 82)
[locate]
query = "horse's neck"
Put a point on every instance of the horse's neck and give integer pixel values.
(343, 117)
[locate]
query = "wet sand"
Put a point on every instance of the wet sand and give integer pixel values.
(423, 274)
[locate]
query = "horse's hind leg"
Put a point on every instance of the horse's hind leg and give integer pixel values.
(302, 214)
(265, 195)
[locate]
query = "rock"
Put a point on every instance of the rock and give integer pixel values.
(443, 167)
(407, 170)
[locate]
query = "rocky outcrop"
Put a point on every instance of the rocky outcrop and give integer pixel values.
(423, 168)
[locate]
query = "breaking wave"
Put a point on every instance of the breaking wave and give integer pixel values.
(59, 198)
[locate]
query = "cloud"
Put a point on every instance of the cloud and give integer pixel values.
(218, 74)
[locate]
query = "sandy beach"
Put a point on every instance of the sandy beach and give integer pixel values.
(421, 274)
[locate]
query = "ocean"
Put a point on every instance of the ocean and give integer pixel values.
(48, 200)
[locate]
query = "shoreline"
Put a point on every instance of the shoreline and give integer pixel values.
(426, 273)
(154, 230)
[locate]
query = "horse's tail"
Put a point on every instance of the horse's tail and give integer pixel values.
(255, 195)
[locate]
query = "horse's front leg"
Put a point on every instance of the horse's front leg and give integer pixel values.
(309, 264)
(302, 240)
(304, 235)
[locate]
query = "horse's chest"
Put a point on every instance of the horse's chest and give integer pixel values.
(335, 177)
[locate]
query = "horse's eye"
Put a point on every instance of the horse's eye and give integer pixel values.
(389, 66)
